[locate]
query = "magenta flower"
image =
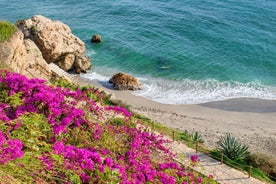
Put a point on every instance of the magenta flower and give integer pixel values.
(194, 158)
(108, 162)
(118, 110)
(10, 149)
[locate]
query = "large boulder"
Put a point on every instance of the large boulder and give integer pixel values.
(81, 64)
(122, 81)
(66, 61)
(55, 41)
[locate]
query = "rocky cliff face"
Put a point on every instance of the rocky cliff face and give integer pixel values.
(12, 51)
(40, 41)
(22, 56)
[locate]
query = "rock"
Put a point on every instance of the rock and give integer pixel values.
(35, 63)
(13, 52)
(82, 63)
(66, 61)
(56, 42)
(23, 56)
(96, 38)
(123, 81)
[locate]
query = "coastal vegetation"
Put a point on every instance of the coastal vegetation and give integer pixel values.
(56, 134)
(6, 30)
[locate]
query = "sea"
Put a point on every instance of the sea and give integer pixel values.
(183, 51)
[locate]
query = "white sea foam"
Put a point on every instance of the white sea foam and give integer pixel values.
(95, 76)
(194, 91)
(90, 52)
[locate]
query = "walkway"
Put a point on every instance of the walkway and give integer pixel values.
(207, 165)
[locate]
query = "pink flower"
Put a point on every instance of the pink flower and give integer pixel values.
(194, 158)
(10, 149)
(108, 162)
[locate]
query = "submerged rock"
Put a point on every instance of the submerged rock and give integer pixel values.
(96, 38)
(122, 81)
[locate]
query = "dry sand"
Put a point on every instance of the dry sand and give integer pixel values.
(253, 121)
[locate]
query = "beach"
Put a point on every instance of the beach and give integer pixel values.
(253, 121)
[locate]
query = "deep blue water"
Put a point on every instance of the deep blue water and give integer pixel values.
(183, 51)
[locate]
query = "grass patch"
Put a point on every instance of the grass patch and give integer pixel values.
(6, 30)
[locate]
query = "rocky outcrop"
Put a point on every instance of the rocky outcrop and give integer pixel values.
(12, 52)
(23, 56)
(56, 42)
(96, 38)
(123, 81)
(38, 42)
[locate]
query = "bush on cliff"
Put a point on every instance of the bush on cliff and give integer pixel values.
(51, 134)
(6, 30)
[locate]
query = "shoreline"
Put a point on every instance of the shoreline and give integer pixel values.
(253, 121)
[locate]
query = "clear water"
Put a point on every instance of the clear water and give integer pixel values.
(184, 51)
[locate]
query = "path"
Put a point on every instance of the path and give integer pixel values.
(74, 78)
(207, 165)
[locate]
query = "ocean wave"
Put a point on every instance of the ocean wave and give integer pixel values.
(188, 91)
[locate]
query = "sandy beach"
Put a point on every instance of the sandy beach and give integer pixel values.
(253, 121)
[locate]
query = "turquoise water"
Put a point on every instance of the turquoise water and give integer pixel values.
(184, 52)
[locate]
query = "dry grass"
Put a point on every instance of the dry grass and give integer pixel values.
(265, 163)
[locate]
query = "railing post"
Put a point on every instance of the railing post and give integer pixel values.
(250, 171)
(221, 159)
(173, 136)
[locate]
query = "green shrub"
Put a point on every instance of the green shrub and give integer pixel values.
(185, 136)
(6, 30)
(196, 137)
(14, 100)
(34, 132)
(117, 122)
(63, 83)
(232, 148)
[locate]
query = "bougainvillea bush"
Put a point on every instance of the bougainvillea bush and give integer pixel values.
(52, 134)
